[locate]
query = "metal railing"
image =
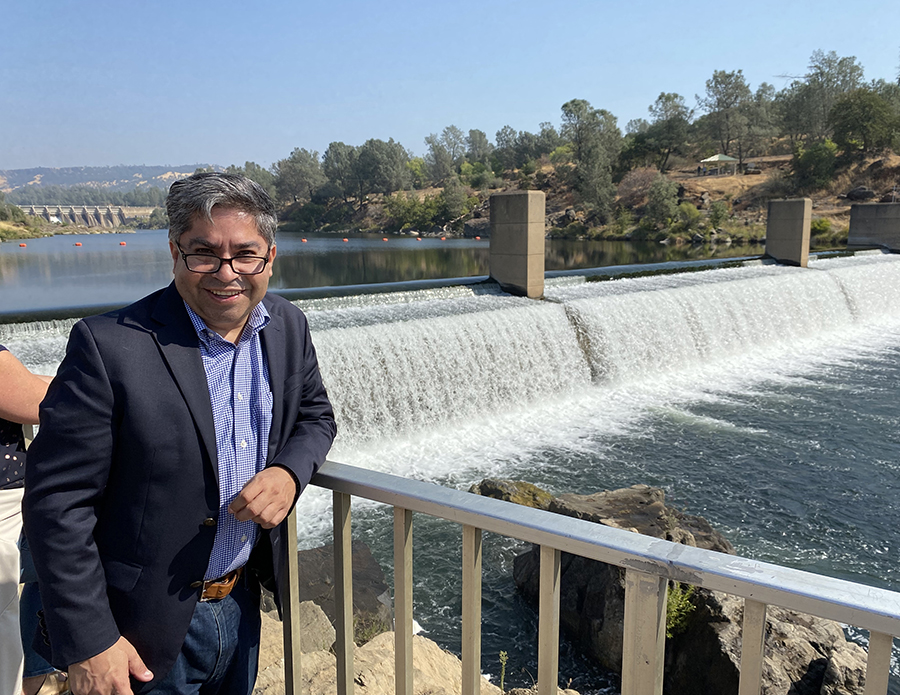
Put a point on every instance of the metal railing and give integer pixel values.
(649, 564)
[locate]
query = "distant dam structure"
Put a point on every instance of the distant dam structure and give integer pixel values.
(87, 215)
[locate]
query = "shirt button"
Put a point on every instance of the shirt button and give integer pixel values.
(243, 444)
(244, 539)
(209, 521)
(240, 396)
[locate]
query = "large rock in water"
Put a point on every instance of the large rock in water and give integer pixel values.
(804, 654)
(371, 595)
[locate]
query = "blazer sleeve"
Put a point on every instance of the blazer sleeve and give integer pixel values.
(310, 412)
(68, 467)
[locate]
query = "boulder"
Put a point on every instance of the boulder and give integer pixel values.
(804, 654)
(517, 491)
(861, 193)
(435, 671)
(371, 594)
(316, 634)
(479, 226)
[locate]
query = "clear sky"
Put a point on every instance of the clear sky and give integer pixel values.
(105, 82)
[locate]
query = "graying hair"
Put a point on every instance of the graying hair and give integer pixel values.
(200, 193)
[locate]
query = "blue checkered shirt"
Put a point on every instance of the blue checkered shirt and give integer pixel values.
(238, 380)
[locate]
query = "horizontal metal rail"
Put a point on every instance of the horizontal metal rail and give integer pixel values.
(835, 599)
(649, 564)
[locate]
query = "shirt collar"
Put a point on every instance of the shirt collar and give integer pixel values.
(258, 319)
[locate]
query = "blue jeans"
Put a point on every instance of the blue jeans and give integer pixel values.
(220, 653)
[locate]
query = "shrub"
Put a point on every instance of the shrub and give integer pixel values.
(718, 211)
(679, 607)
(662, 203)
(820, 225)
(688, 216)
(632, 190)
(814, 166)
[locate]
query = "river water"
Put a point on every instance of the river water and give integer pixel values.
(52, 272)
(766, 399)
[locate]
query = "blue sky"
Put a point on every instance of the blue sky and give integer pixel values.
(101, 82)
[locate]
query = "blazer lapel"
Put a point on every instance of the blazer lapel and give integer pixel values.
(179, 346)
(273, 345)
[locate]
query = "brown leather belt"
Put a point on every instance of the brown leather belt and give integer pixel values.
(215, 589)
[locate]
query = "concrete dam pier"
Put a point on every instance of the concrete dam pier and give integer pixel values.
(87, 215)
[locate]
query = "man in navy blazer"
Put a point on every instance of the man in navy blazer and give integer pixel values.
(174, 441)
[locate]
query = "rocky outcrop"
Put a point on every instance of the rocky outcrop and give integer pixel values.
(520, 492)
(372, 611)
(477, 226)
(435, 671)
(804, 654)
(861, 193)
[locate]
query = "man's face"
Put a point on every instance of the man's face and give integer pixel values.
(223, 299)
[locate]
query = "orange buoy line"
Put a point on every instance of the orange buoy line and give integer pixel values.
(22, 246)
(346, 239)
(77, 243)
(303, 240)
(121, 243)
(384, 238)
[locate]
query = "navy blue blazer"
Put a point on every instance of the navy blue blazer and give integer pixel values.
(123, 473)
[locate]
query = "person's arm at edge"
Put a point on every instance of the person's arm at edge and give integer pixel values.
(21, 392)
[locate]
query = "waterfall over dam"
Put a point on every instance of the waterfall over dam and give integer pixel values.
(399, 364)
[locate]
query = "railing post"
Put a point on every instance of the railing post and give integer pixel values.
(548, 622)
(403, 603)
(343, 593)
(878, 665)
(753, 643)
(471, 611)
(290, 608)
(645, 632)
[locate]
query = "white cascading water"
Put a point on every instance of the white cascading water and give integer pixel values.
(393, 379)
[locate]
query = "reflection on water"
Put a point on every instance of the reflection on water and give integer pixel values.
(110, 268)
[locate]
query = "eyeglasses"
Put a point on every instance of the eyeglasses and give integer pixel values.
(208, 264)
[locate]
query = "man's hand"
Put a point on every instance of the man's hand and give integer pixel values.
(266, 498)
(108, 672)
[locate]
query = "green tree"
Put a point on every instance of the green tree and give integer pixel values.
(453, 201)
(548, 139)
(830, 76)
(814, 165)
(595, 140)
(505, 148)
(478, 147)
(454, 141)
(438, 159)
(381, 167)
(726, 94)
(254, 172)
(339, 167)
(298, 176)
(668, 130)
(662, 201)
(863, 120)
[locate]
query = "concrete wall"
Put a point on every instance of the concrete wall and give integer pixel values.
(875, 224)
(517, 242)
(787, 231)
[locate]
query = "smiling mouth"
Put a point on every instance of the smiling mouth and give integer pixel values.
(225, 293)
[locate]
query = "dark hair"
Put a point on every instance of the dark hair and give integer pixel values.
(200, 193)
